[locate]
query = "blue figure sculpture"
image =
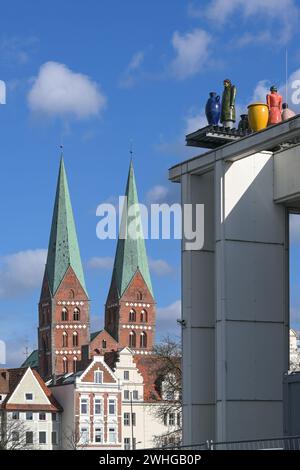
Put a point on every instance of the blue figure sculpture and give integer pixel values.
(213, 109)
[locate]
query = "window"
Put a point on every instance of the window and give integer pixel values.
(71, 294)
(97, 406)
(83, 406)
(64, 314)
(29, 415)
(42, 437)
(126, 443)
(98, 435)
(132, 339)
(64, 340)
(54, 438)
(171, 419)
(76, 314)
(15, 415)
(84, 435)
(178, 420)
(134, 443)
(133, 418)
(103, 344)
(28, 396)
(126, 374)
(74, 364)
(135, 395)
(126, 394)
(54, 417)
(166, 419)
(111, 406)
(29, 437)
(75, 339)
(42, 416)
(170, 395)
(139, 295)
(98, 377)
(143, 340)
(126, 419)
(132, 315)
(65, 365)
(112, 436)
(15, 436)
(144, 316)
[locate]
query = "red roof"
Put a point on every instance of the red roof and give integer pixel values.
(10, 379)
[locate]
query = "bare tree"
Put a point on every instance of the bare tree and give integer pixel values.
(13, 434)
(74, 438)
(166, 367)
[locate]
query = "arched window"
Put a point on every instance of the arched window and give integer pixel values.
(132, 315)
(75, 338)
(74, 364)
(144, 316)
(132, 339)
(139, 295)
(143, 340)
(76, 314)
(64, 340)
(71, 294)
(103, 344)
(65, 365)
(64, 314)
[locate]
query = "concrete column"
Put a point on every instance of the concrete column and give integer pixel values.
(199, 316)
(250, 302)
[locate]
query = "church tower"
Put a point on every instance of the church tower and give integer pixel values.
(130, 306)
(64, 304)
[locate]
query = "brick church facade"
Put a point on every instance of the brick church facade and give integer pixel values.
(64, 339)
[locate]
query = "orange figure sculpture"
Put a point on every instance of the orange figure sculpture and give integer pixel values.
(274, 102)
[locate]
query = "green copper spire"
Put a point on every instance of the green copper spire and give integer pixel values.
(131, 253)
(63, 250)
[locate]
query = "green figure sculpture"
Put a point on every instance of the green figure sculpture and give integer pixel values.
(228, 104)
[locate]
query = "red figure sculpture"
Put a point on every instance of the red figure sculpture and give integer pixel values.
(274, 102)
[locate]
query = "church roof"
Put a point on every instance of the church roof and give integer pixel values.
(131, 251)
(32, 360)
(63, 250)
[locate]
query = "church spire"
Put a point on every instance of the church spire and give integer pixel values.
(131, 253)
(63, 250)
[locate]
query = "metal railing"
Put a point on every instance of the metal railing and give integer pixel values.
(278, 443)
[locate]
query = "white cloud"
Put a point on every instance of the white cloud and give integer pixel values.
(157, 194)
(282, 12)
(195, 121)
(21, 272)
(160, 267)
(192, 50)
(166, 319)
(58, 91)
(98, 262)
(17, 49)
(130, 75)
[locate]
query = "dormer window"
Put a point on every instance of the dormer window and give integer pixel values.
(103, 344)
(98, 377)
(28, 396)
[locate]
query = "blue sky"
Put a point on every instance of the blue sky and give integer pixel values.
(130, 70)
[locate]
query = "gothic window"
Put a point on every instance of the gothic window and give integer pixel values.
(143, 340)
(132, 315)
(103, 344)
(64, 314)
(71, 294)
(64, 340)
(65, 365)
(75, 339)
(139, 295)
(132, 339)
(144, 316)
(76, 314)
(74, 364)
